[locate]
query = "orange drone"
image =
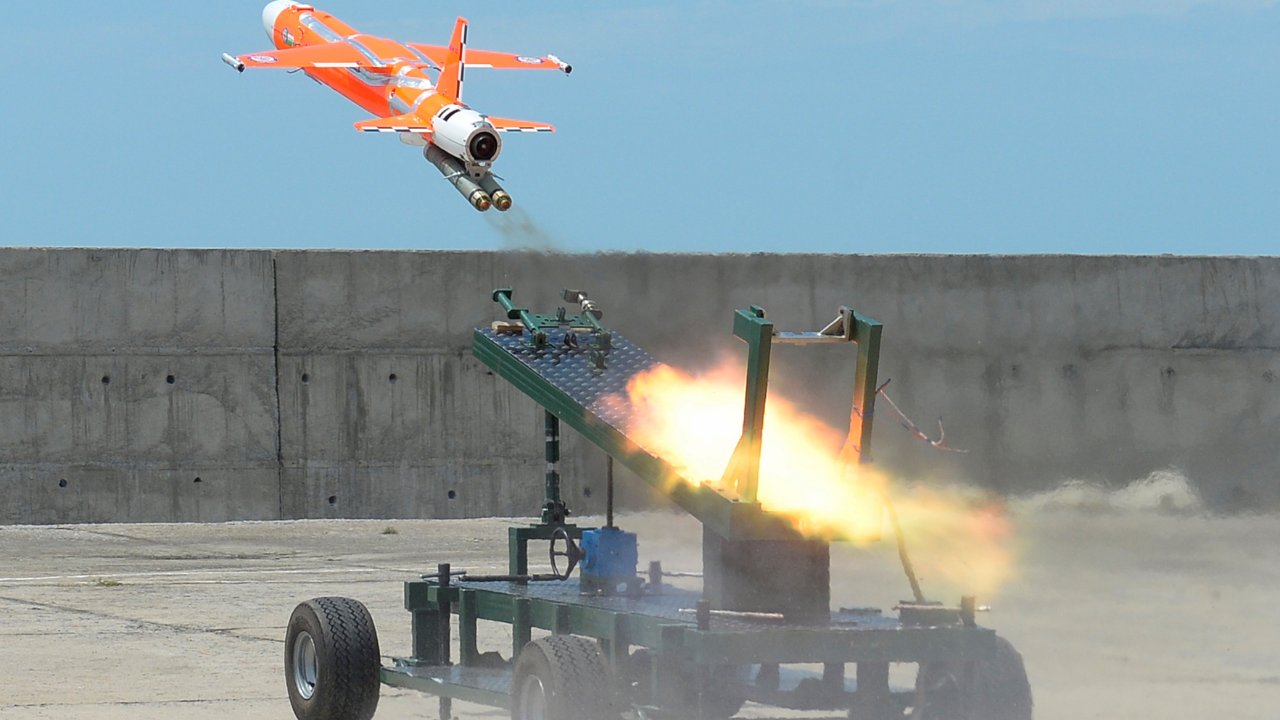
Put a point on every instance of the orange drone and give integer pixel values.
(389, 79)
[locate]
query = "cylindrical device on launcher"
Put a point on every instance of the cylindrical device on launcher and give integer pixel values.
(452, 169)
(501, 199)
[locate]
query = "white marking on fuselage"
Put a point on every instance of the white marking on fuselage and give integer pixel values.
(408, 74)
(369, 55)
(319, 28)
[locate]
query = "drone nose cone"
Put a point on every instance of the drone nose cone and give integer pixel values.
(271, 12)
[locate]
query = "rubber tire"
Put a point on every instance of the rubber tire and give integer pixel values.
(996, 691)
(576, 679)
(348, 662)
(728, 686)
(728, 693)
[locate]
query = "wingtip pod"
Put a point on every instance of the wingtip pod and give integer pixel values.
(233, 62)
(566, 67)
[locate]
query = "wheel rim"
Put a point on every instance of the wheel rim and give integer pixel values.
(939, 699)
(533, 699)
(305, 667)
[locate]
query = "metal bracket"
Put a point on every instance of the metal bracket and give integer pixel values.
(592, 313)
(842, 329)
(502, 296)
(539, 327)
(743, 471)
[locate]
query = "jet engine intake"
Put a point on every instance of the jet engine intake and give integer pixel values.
(468, 136)
(483, 146)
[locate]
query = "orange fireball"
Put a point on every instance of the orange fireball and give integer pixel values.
(694, 423)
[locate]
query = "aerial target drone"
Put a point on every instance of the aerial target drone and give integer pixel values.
(390, 80)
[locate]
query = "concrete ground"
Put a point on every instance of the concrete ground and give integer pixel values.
(1119, 613)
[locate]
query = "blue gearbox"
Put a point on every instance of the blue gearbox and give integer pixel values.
(609, 565)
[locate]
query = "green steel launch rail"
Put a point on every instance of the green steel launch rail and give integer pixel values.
(579, 371)
(628, 644)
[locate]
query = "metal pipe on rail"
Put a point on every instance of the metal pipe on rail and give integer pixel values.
(553, 511)
(442, 633)
(609, 492)
(502, 296)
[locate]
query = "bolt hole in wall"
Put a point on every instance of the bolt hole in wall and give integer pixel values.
(170, 379)
(106, 379)
(452, 494)
(305, 378)
(198, 480)
(333, 499)
(62, 483)
(392, 378)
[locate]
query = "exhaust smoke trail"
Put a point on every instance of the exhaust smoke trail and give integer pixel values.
(519, 231)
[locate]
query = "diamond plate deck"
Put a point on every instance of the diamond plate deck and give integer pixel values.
(566, 363)
(562, 377)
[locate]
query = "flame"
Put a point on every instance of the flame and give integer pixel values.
(695, 422)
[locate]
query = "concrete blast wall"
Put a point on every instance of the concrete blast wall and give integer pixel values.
(90, 427)
(164, 385)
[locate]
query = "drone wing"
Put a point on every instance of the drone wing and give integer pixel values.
(325, 55)
(396, 124)
(413, 124)
(507, 125)
(502, 61)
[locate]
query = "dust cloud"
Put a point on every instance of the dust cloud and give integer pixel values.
(1129, 602)
(1166, 491)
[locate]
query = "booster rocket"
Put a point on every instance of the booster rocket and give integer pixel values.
(483, 192)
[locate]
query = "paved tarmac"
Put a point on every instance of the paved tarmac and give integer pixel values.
(1119, 612)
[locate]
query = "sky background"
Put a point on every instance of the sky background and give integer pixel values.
(948, 126)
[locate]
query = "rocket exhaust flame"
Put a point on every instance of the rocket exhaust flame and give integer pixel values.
(958, 543)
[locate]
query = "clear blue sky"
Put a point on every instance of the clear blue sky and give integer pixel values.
(971, 126)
